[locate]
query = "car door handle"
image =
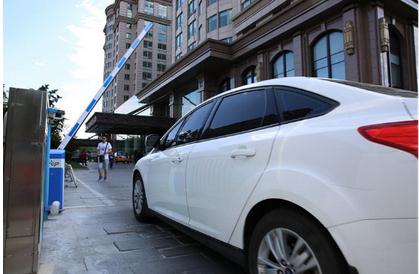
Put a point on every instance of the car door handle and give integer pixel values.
(242, 153)
(177, 159)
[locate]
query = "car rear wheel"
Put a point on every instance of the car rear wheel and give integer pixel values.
(139, 200)
(286, 242)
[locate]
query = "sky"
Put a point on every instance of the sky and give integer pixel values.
(56, 42)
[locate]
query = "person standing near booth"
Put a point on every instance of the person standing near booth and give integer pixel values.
(104, 149)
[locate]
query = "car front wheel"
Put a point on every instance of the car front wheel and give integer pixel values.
(286, 242)
(139, 200)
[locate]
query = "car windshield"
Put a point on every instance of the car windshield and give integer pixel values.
(378, 89)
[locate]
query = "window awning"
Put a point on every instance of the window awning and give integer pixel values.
(112, 123)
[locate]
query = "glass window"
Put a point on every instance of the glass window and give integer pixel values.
(191, 29)
(147, 54)
(148, 44)
(191, 7)
(127, 45)
(225, 18)
(178, 42)
(162, 37)
(249, 76)
(242, 112)
(126, 97)
(179, 4)
(171, 136)
(129, 13)
(296, 105)
(191, 46)
(126, 87)
(161, 67)
(212, 23)
(200, 7)
(147, 64)
(162, 46)
(146, 75)
(162, 28)
(210, 2)
(227, 40)
(283, 65)
(225, 85)
(129, 26)
(148, 7)
(200, 33)
(190, 100)
(329, 56)
(162, 11)
(161, 56)
(126, 76)
(194, 123)
(129, 35)
(246, 3)
(394, 56)
(179, 20)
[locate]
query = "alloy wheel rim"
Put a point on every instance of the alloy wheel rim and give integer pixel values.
(138, 197)
(282, 251)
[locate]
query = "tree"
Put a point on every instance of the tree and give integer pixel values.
(56, 125)
(5, 99)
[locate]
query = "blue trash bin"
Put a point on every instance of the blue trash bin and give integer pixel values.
(56, 176)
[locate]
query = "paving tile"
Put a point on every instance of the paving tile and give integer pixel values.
(185, 239)
(158, 234)
(144, 243)
(122, 228)
(179, 251)
(121, 260)
(172, 265)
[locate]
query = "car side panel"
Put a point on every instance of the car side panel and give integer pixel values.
(326, 167)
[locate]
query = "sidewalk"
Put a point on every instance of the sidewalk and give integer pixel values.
(98, 233)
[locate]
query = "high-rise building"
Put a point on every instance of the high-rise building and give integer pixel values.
(125, 19)
(194, 21)
(222, 44)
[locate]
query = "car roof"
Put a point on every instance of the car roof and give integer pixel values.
(334, 90)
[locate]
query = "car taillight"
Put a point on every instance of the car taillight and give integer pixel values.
(400, 135)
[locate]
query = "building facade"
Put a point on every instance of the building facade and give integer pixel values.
(125, 19)
(365, 41)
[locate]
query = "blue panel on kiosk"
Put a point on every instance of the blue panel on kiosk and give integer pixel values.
(56, 176)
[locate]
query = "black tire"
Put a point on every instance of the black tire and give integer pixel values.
(330, 259)
(140, 211)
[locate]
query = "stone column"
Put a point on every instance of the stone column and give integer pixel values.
(298, 54)
(208, 86)
(174, 106)
(350, 44)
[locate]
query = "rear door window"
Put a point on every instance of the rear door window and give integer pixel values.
(296, 105)
(242, 112)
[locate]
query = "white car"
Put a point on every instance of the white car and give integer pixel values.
(293, 175)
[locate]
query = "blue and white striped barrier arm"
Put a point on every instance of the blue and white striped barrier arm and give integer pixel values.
(105, 85)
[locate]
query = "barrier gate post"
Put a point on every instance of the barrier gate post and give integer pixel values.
(57, 157)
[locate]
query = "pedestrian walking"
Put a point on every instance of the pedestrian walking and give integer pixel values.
(104, 149)
(111, 160)
(83, 157)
